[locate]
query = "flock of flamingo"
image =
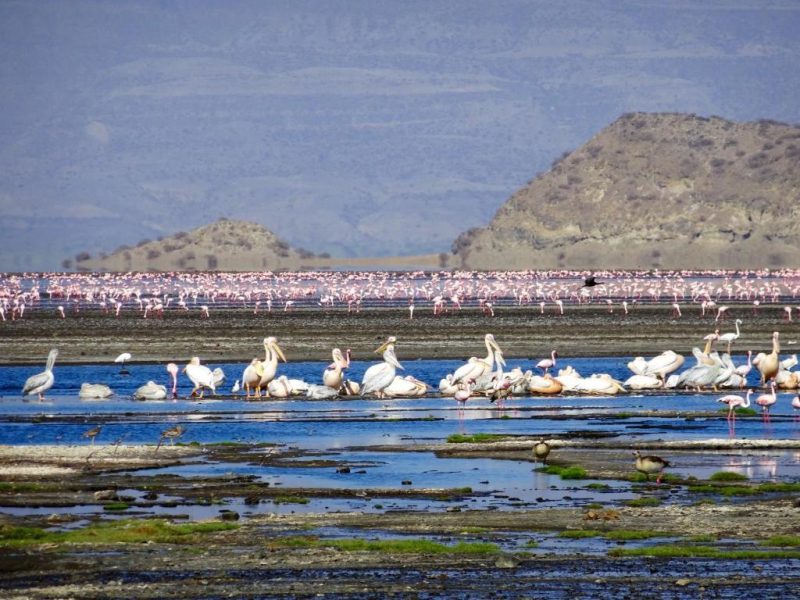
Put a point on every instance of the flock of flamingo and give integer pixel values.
(154, 295)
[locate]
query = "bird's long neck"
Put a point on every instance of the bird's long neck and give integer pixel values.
(737, 328)
(747, 399)
(51, 360)
(776, 345)
(489, 355)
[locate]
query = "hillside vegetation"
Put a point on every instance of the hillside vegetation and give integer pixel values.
(654, 191)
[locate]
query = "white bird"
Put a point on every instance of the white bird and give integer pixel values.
(744, 370)
(334, 372)
(151, 391)
(379, 377)
(251, 377)
(548, 363)
(41, 382)
(479, 369)
(121, 360)
(219, 375)
(279, 387)
(201, 376)
(235, 389)
(406, 387)
(731, 337)
(270, 365)
(321, 392)
(91, 391)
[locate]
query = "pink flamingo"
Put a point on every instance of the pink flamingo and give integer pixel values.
(733, 401)
(172, 369)
(676, 310)
(744, 370)
(464, 393)
(548, 363)
(767, 400)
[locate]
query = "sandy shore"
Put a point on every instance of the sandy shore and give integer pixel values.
(236, 335)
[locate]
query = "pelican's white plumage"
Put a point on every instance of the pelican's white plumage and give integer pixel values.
(92, 391)
(379, 377)
(477, 369)
(200, 375)
(270, 365)
(41, 382)
(151, 391)
(406, 387)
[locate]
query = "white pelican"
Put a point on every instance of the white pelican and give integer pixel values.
(219, 375)
(251, 377)
(768, 364)
(569, 379)
(271, 354)
(477, 369)
(659, 366)
(322, 392)
(643, 382)
(90, 391)
(333, 376)
(544, 384)
(729, 338)
(446, 387)
(600, 383)
(406, 387)
(379, 377)
(41, 382)
(279, 387)
(121, 360)
(151, 391)
(201, 376)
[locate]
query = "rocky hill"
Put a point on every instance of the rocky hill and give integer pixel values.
(225, 245)
(654, 191)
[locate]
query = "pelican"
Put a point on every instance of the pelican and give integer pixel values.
(322, 392)
(279, 387)
(333, 376)
(379, 377)
(479, 368)
(446, 387)
(91, 391)
(219, 375)
(271, 354)
(151, 391)
(729, 338)
(643, 382)
(121, 360)
(251, 377)
(406, 387)
(201, 376)
(600, 383)
(659, 366)
(569, 379)
(768, 364)
(651, 464)
(41, 382)
(544, 384)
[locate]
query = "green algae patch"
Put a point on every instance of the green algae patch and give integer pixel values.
(476, 438)
(126, 531)
(290, 500)
(23, 487)
(728, 476)
(681, 551)
(643, 502)
(614, 534)
(783, 540)
(412, 546)
(578, 534)
(723, 490)
(742, 412)
(574, 472)
(112, 506)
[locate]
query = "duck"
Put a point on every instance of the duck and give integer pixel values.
(651, 464)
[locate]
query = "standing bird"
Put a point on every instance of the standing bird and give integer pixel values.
(651, 464)
(378, 377)
(744, 370)
(765, 401)
(251, 377)
(796, 406)
(171, 434)
(733, 402)
(548, 363)
(201, 376)
(463, 393)
(333, 376)
(121, 360)
(729, 338)
(270, 365)
(41, 382)
(235, 389)
(541, 450)
(172, 369)
(92, 433)
(768, 364)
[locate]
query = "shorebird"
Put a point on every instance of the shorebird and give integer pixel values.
(121, 360)
(548, 363)
(651, 464)
(733, 402)
(541, 450)
(92, 433)
(172, 434)
(765, 401)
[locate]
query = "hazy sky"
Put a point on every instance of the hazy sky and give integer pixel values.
(361, 128)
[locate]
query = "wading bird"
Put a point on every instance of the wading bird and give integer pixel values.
(41, 382)
(651, 464)
(378, 377)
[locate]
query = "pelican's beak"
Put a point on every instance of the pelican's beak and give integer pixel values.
(392, 360)
(279, 351)
(380, 349)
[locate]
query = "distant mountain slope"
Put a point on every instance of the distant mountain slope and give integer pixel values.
(655, 190)
(225, 245)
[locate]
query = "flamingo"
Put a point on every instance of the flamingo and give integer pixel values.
(548, 363)
(765, 401)
(729, 338)
(172, 369)
(744, 370)
(41, 382)
(733, 402)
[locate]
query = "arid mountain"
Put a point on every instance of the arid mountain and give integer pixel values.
(654, 191)
(230, 245)
(225, 245)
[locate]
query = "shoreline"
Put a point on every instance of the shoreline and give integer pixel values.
(235, 335)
